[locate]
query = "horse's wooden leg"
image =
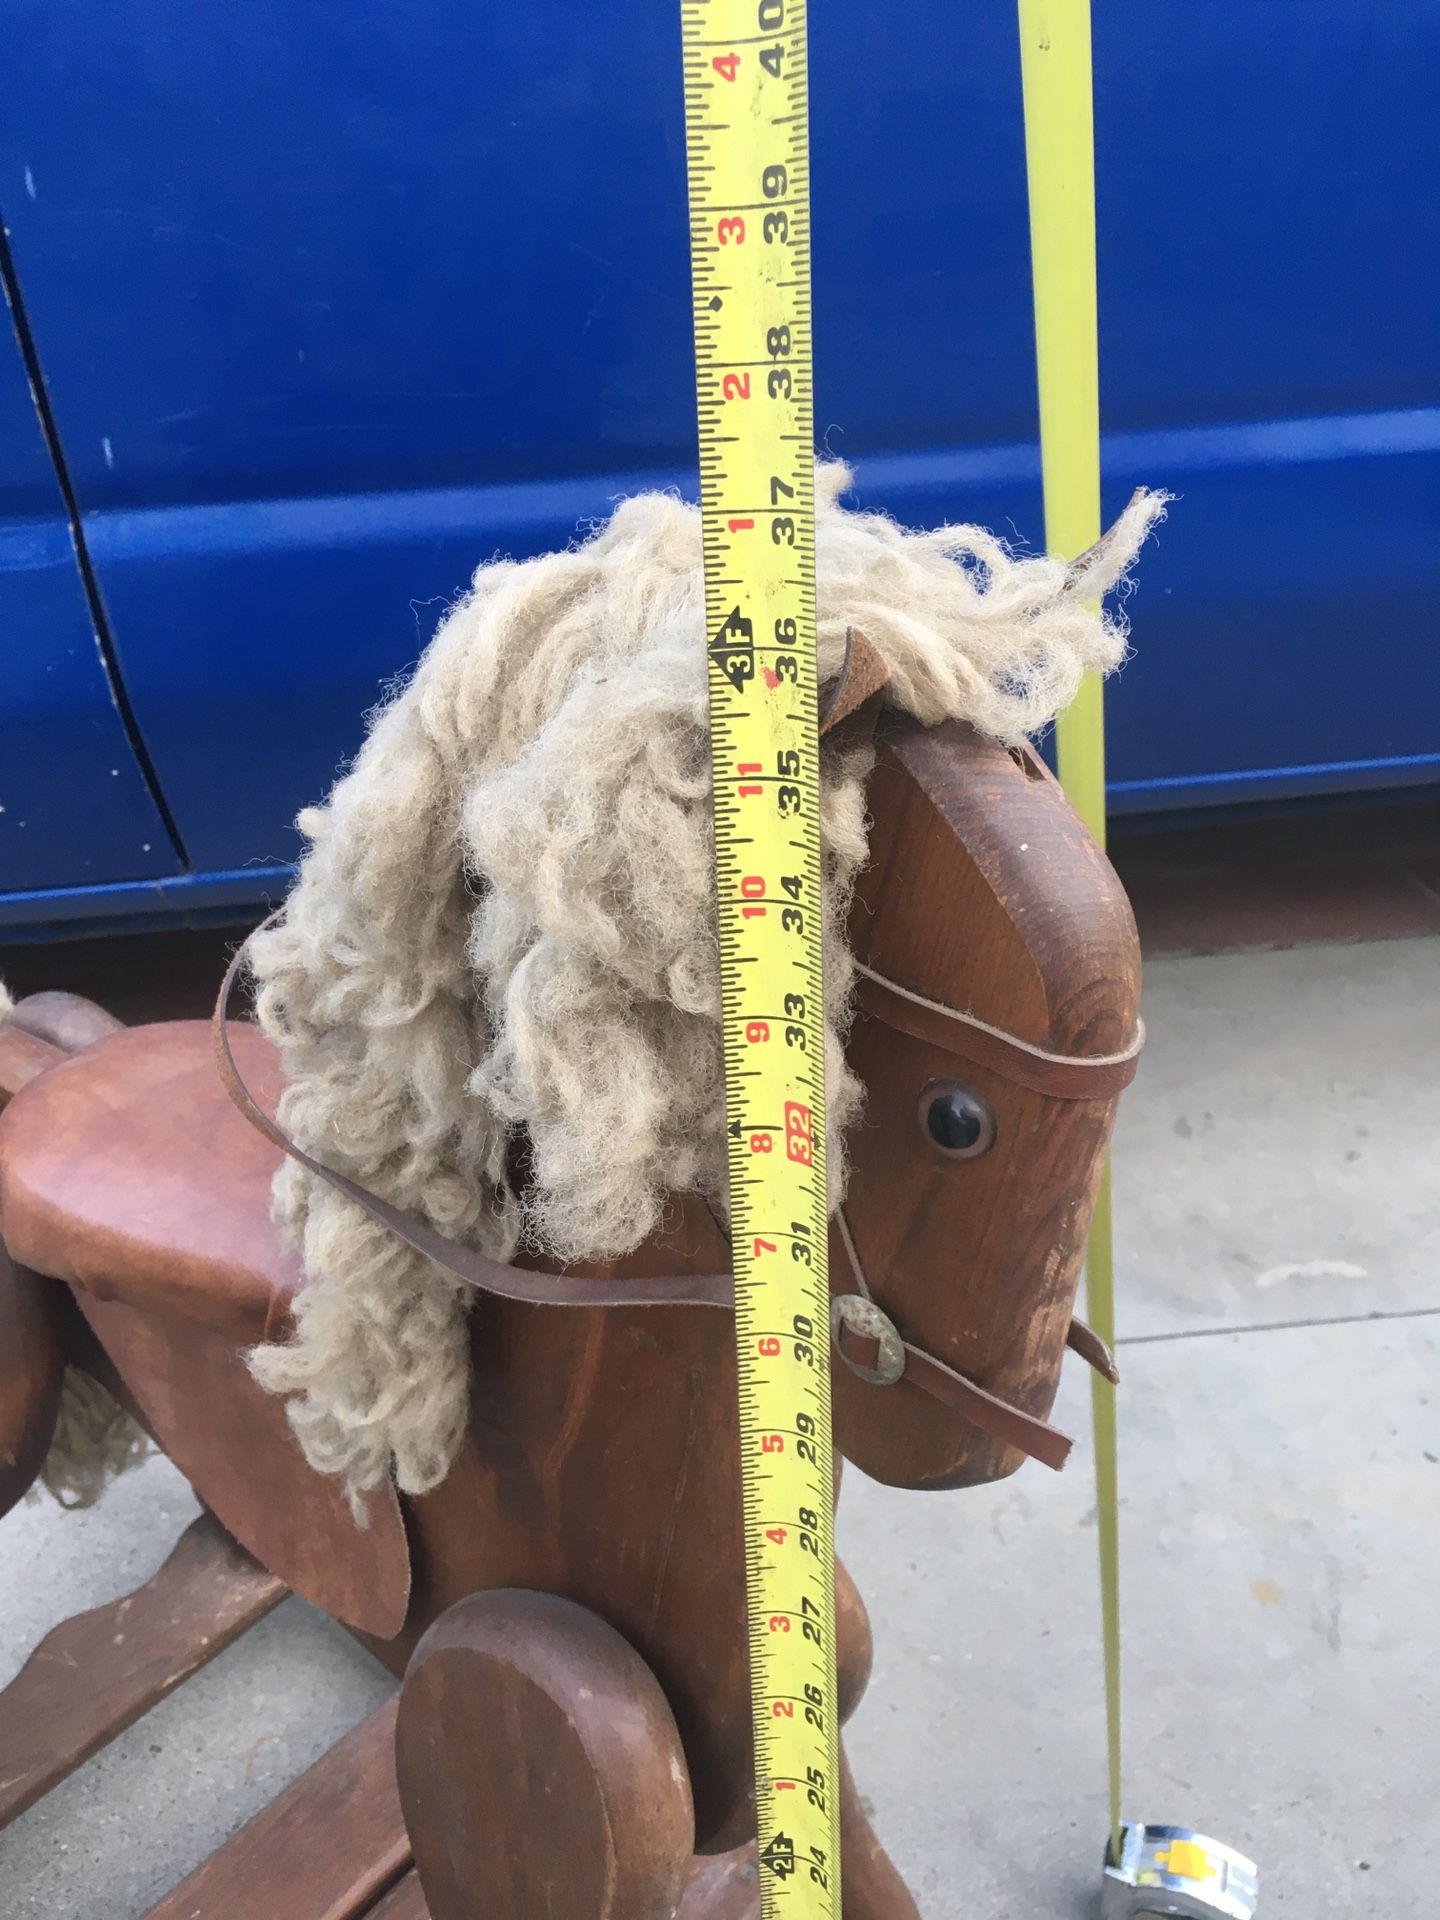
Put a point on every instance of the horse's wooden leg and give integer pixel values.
(540, 1769)
(32, 1343)
(722, 1886)
(854, 1643)
(726, 1886)
(872, 1888)
(37, 1319)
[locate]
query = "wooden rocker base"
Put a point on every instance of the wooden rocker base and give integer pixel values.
(96, 1674)
(328, 1848)
(529, 1764)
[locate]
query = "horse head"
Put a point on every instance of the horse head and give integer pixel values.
(997, 987)
(996, 1023)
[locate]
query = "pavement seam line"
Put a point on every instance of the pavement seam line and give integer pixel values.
(1278, 1326)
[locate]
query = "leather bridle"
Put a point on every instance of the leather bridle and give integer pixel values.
(854, 1311)
(1063, 1076)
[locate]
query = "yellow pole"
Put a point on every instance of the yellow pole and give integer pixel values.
(1060, 162)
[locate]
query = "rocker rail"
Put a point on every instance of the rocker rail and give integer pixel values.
(333, 1845)
(404, 1901)
(330, 1847)
(97, 1673)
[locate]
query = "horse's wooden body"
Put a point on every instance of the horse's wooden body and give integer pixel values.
(601, 1466)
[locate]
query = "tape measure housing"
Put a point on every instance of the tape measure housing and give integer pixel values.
(746, 117)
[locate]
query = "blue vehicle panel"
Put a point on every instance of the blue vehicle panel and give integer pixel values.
(74, 805)
(334, 304)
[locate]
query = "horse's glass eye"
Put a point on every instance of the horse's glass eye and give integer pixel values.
(957, 1119)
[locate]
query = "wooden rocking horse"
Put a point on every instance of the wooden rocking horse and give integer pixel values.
(571, 1736)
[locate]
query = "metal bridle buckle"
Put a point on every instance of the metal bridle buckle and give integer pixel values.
(860, 1316)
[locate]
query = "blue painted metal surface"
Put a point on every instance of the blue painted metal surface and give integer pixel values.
(186, 899)
(333, 304)
(74, 806)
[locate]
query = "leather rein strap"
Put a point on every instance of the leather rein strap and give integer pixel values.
(1063, 1076)
(998, 1418)
(469, 1264)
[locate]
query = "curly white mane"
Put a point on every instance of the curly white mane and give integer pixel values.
(505, 920)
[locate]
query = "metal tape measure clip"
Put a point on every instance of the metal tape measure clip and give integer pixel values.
(1173, 1871)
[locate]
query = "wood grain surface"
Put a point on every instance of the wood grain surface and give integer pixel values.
(32, 1372)
(540, 1768)
(95, 1674)
(326, 1849)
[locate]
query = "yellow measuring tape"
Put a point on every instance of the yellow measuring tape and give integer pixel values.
(746, 114)
(747, 141)
(1060, 161)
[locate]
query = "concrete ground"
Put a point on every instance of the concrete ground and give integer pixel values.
(1278, 1220)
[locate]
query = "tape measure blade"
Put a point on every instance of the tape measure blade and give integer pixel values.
(746, 119)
